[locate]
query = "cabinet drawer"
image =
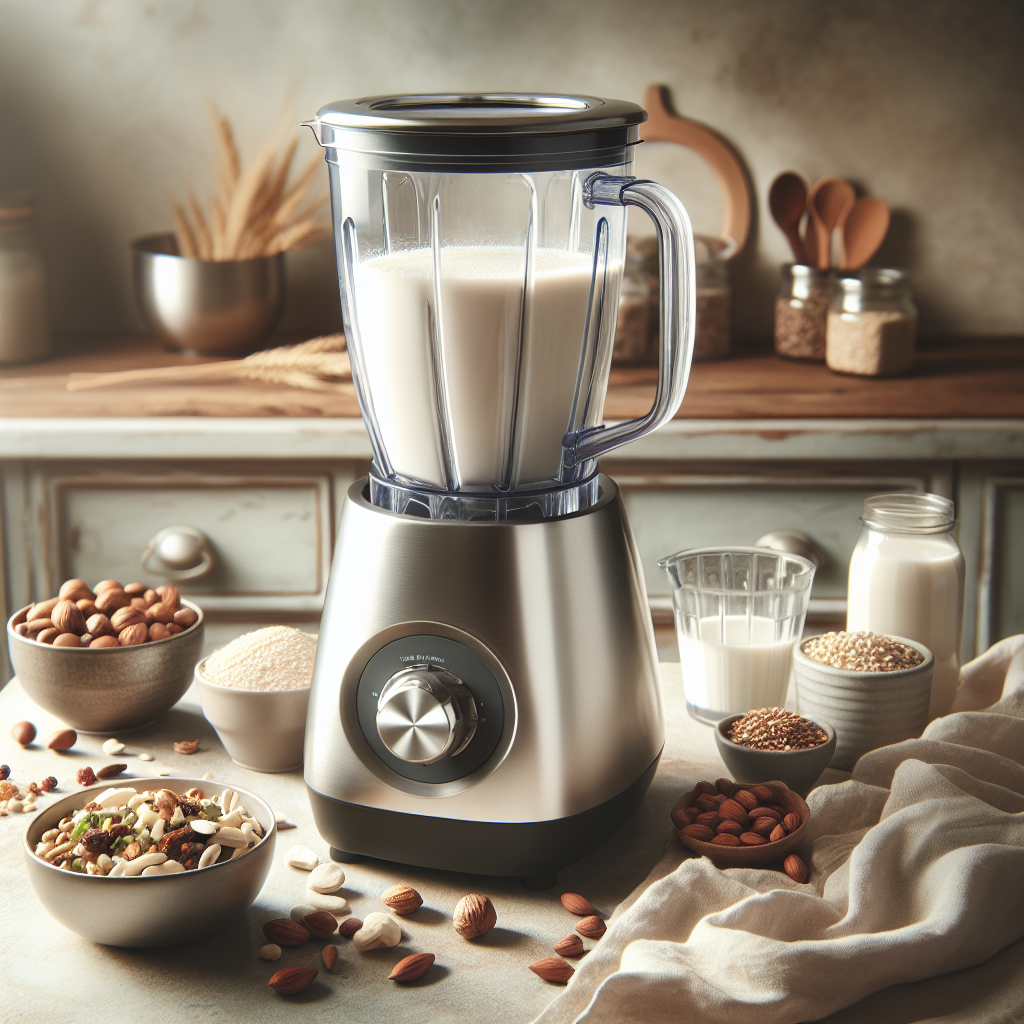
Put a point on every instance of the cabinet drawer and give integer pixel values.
(678, 506)
(271, 536)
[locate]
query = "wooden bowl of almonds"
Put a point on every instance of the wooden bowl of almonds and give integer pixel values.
(738, 825)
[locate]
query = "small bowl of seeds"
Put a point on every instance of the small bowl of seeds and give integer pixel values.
(772, 743)
(875, 689)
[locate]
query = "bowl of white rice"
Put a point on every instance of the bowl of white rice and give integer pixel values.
(255, 692)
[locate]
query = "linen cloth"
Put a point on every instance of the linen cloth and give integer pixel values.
(917, 869)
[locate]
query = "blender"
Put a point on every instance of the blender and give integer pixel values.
(486, 694)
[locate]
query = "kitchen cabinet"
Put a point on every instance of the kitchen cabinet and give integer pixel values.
(260, 470)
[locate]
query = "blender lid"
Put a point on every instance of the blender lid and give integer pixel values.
(481, 132)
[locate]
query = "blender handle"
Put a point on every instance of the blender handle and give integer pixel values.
(678, 301)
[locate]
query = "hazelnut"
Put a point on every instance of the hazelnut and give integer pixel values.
(185, 617)
(68, 618)
(99, 625)
(72, 590)
(162, 612)
(23, 732)
(63, 739)
(133, 635)
(474, 916)
(158, 631)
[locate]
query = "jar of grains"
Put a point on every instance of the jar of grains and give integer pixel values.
(872, 324)
(24, 335)
(712, 333)
(801, 312)
(636, 330)
(907, 580)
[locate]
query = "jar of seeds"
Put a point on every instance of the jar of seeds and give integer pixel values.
(712, 329)
(872, 324)
(801, 312)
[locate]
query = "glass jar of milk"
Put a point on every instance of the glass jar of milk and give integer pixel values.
(907, 579)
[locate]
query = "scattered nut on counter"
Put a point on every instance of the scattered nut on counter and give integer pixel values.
(326, 878)
(301, 857)
(186, 747)
(577, 904)
(570, 946)
(591, 927)
(293, 979)
(286, 932)
(23, 733)
(329, 956)
(63, 739)
(349, 927)
(378, 930)
(553, 969)
(412, 967)
(402, 899)
(474, 916)
(301, 911)
(271, 951)
(320, 923)
(112, 747)
(111, 771)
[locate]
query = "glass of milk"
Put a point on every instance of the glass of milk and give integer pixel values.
(738, 614)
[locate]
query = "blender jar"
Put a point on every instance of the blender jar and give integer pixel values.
(481, 245)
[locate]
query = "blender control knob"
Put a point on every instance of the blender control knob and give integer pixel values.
(425, 713)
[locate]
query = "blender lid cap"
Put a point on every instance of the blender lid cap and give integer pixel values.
(482, 131)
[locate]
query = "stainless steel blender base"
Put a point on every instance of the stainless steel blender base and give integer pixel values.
(548, 624)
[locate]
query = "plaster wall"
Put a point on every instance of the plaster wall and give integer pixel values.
(103, 112)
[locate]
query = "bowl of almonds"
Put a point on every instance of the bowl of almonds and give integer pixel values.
(107, 658)
(742, 826)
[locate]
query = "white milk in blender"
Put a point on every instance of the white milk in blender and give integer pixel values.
(912, 586)
(744, 669)
(481, 316)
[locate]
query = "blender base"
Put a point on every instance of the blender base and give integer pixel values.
(532, 850)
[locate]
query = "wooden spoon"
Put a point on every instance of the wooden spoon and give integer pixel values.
(787, 200)
(829, 204)
(864, 232)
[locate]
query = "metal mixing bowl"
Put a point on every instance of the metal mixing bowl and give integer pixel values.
(161, 910)
(204, 306)
(107, 689)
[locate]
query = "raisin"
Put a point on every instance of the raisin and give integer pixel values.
(48, 784)
(86, 777)
(96, 840)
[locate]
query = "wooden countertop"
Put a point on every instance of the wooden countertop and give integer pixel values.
(980, 378)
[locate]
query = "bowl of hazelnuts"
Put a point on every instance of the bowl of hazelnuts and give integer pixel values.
(107, 658)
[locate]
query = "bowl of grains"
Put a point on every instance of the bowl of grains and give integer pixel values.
(255, 692)
(875, 689)
(772, 743)
(740, 826)
(124, 865)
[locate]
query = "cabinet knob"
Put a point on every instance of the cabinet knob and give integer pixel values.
(178, 553)
(792, 542)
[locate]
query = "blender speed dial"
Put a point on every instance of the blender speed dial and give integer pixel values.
(425, 713)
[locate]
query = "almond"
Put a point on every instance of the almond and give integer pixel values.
(796, 868)
(745, 798)
(47, 636)
(709, 818)
(321, 924)
(349, 927)
(42, 609)
(329, 955)
(135, 589)
(706, 802)
(74, 589)
(474, 916)
(185, 617)
(764, 794)
(752, 839)
(734, 828)
(591, 927)
(705, 787)
(151, 597)
(412, 967)
(111, 600)
(34, 626)
(554, 969)
(726, 840)
(791, 822)
(731, 809)
(68, 618)
(680, 818)
(764, 812)
(571, 946)
(67, 640)
(64, 739)
(111, 771)
(402, 900)
(701, 832)
(285, 932)
(105, 641)
(777, 833)
(107, 585)
(724, 786)
(763, 826)
(292, 979)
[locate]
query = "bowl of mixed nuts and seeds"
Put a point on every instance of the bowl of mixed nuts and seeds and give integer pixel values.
(123, 865)
(106, 658)
(874, 689)
(772, 743)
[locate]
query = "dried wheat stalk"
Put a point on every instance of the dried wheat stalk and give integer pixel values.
(316, 365)
(255, 212)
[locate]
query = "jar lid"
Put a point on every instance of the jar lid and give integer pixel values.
(481, 132)
(908, 513)
(875, 278)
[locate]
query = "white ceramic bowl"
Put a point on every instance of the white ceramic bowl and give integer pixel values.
(262, 730)
(867, 709)
(162, 910)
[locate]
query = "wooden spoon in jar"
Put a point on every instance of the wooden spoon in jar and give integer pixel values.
(863, 233)
(829, 204)
(787, 200)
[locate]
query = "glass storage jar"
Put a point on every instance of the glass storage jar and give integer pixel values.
(24, 334)
(907, 579)
(872, 324)
(636, 330)
(801, 312)
(713, 330)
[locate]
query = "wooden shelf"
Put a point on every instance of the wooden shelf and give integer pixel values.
(953, 379)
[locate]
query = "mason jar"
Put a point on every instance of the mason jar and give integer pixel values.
(801, 312)
(713, 330)
(907, 579)
(24, 333)
(872, 324)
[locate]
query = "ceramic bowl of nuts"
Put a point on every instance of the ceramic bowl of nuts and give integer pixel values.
(106, 659)
(741, 826)
(772, 743)
(178, 863)
(875, 689)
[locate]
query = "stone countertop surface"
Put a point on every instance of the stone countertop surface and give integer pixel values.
(54, 975)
